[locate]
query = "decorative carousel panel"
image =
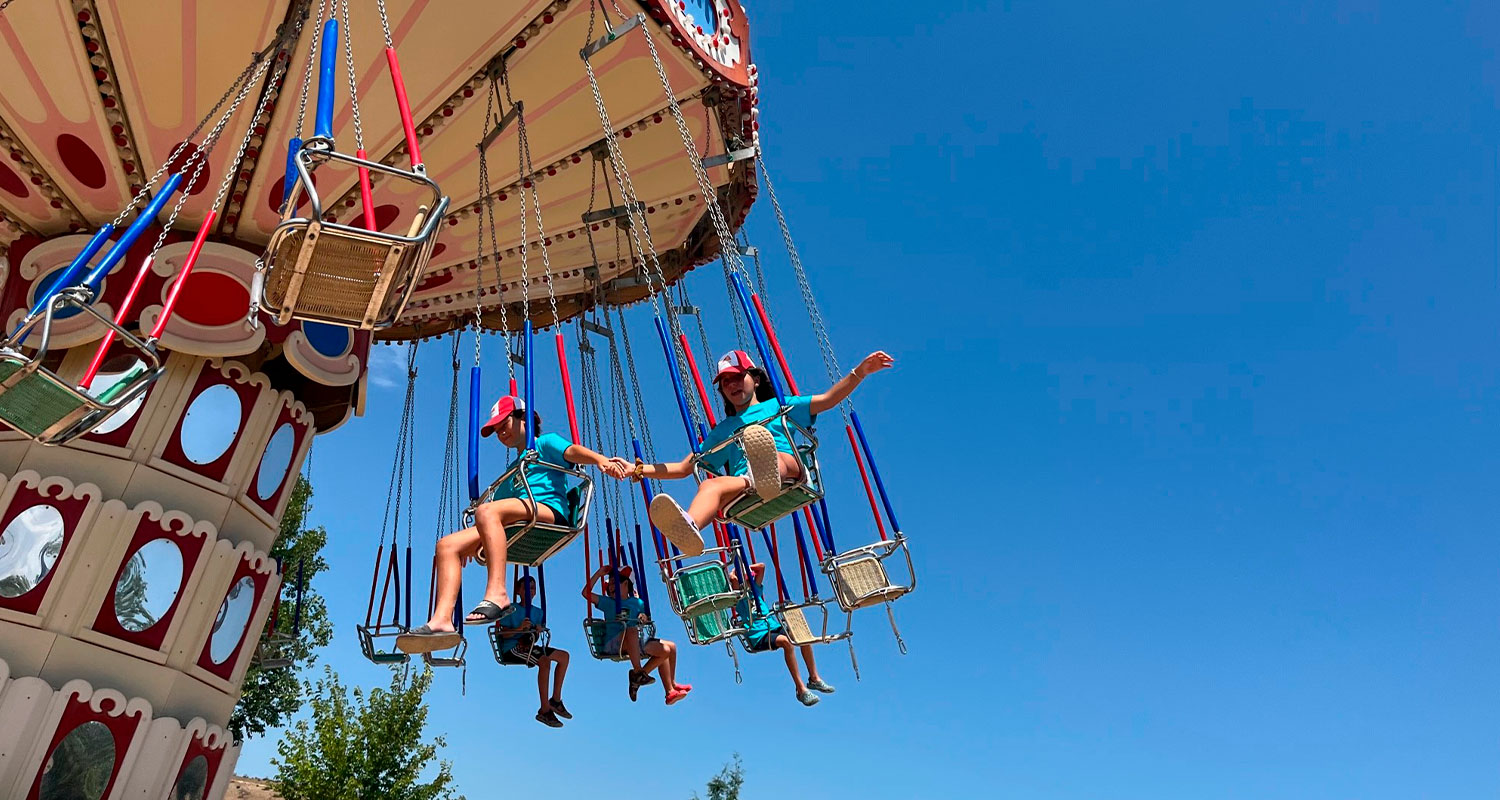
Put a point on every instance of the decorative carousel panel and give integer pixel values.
(141, 602)
(231, 625)
(332, 355)
(39, 522)
(201, 762)
(175, 59)
(90, 748)
(59, 122)
(212, 316)
(214, 420)
(290, 436)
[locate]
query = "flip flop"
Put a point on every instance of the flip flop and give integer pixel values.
(761, 464)
(488, 612)
(427, 640)
(674, 524)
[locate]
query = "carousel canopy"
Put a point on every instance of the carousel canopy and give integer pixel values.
(99, 93)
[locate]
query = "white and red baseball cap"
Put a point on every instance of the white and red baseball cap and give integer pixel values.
(734, 364)
(504, 407)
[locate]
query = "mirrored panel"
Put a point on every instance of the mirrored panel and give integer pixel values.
(29, 546)
(148, 585)
(192, 784)
(234, 616)
(115, 370)
(276, 461)
(211, 423)
(81, 765)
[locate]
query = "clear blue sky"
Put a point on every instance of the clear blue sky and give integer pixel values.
(1193, 426)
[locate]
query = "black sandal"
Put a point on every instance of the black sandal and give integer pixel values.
(488, 612)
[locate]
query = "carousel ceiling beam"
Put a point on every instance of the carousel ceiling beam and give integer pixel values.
(97, 44)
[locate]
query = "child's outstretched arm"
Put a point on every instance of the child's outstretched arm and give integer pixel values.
(583, 456)
(677, 469)
(840, 391)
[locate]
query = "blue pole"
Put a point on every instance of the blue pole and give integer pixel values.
(805, 556)
(292, 148)
(614, 565)
(760, 336)
(827, 527)
(475, 423)
(70, 275)
(127, 239)
(408, 587)
(526, 573)
(326, 82)
(885, 500)
(541, 581)
(530, 384)
(640, 569)
(682, 406)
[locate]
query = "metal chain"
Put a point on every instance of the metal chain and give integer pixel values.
(359, 134)
(385, 24)
(312, 60)
(527, 170)
(820, 328)
(487, 213)
(449, 491)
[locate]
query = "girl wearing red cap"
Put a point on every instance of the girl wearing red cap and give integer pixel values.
(506, 506)
(767, 458)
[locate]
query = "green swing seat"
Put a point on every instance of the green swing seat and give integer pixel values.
(593, 632)
(754, 513)
(372, 653)
(703, 589)
(531, 543)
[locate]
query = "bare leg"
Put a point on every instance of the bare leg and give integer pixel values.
(789, 466)
(664, 660)
(812, 666)
(630, 645)
(784, 644)
(561, 658)
(714, 494)
(490, 520)
(543, 673)
(447, 571)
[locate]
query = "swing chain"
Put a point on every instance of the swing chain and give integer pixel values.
(820, 328)
(348, 37)
(385, 24)
(527, 172)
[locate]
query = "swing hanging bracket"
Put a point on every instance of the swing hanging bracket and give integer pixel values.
(730, 157)
(613, 34)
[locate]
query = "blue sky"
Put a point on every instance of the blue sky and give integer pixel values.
(1193, 425)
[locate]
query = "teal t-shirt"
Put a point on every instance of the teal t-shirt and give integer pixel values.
(548, 486)
(731, 460)
(633, 608)
(762, 623)
(514, 619)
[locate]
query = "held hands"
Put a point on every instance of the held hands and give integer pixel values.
(873, 363)
(617, 468)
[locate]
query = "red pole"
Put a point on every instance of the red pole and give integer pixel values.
(697, 379)
(562, 363)
(182, 274)
(865, 476)
(404, 107)
(109, 335)
(765, 322)
(812, 529)
(776, 557)
(366, 198)
(588, 571)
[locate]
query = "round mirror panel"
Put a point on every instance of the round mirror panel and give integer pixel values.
(148, 585)
(276, 461)
(234, 616)
(193, 782)
(29, 546)
(114, 371)
(81, 765)
(211, 423)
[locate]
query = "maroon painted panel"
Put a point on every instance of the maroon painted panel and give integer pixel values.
(259, 579)
(71, 509)
(213, 755)
(78, 712)
(149, 530)
(299, 434)
(208, 376)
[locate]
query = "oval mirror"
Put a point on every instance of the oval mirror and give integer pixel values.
(234, 616)
(211, 423)
(113, 371)
(29, 546)
(81, 765)
(148, 585)
(276, 461)
(193, 782)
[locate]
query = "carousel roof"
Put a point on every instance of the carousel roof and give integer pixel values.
(100, 92)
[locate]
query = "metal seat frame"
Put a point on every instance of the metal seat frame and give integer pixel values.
(455, 660)
(294, 282)
(749, 510)
(851, 598)
(593, 633)
(543, 639)
(368, 634)
(516, 535)
(28, 383)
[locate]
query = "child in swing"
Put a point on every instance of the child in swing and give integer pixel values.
(507, 505)
(767, 458)
(623, 618)
(517, 637)
(764, 633)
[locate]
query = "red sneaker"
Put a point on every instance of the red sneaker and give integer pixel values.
(677, 694)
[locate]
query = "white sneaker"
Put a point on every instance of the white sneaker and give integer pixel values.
(676, 525)
(761, 463)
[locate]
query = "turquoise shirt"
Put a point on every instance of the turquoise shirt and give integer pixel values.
(632, 606)
(514, 620)
(731, 459)
(548, 486)
(762, 623)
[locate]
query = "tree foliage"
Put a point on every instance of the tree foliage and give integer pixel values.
(364, 747)
(726, 785)
(271, 696)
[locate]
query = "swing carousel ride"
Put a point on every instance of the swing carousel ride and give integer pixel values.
(210, 212)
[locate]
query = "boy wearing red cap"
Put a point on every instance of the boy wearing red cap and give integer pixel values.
(767, 458)
(507, 505)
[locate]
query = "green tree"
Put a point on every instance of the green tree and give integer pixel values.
(271, 696)
(726, 785)
(364, 747)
